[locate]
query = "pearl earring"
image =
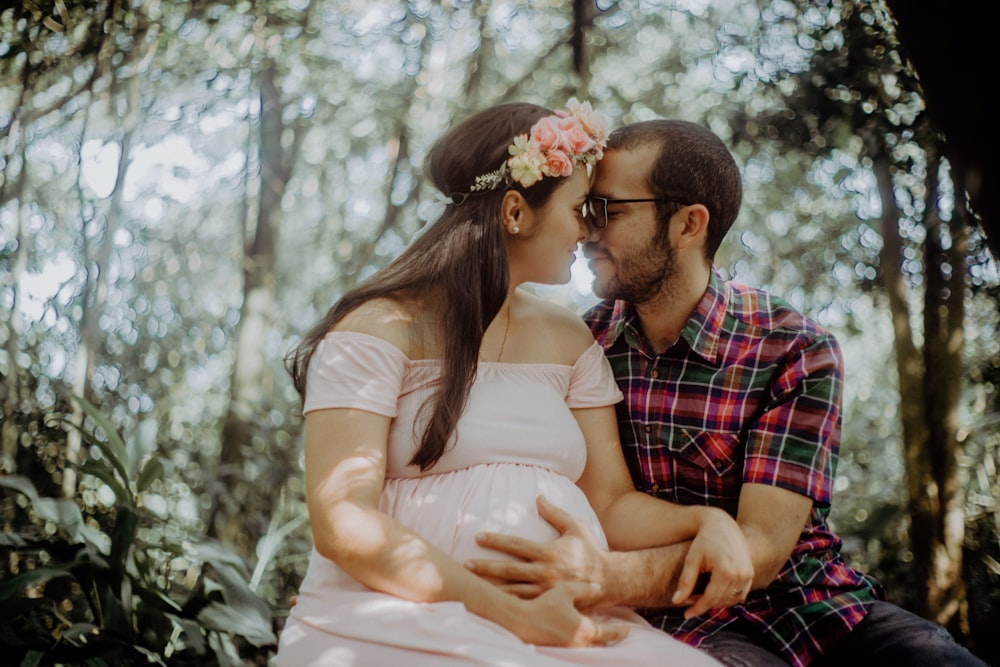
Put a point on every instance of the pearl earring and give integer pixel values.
(515, 230)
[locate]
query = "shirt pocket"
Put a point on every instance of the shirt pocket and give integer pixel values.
(706, 470)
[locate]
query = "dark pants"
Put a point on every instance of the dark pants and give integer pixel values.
(888, 636)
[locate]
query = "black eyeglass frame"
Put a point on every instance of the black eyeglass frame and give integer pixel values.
(607, 202)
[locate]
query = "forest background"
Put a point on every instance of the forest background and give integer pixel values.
(186, 186)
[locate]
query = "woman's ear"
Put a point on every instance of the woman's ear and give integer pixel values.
(515, 213)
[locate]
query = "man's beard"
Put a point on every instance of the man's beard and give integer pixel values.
(641, 276)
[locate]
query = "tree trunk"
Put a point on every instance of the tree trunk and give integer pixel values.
(251, 383)
(398, 150)
(929, 389)
(939, 555)
(909, 363)
(584, 13)
(12, 383)
(96, 292)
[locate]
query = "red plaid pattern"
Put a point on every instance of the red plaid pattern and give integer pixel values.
(750, 393)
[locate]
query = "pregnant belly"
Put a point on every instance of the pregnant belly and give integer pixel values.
(449, 509)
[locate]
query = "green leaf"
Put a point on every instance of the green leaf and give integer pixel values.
(80, 634)
(270, 543)
(114, 447)
(95, 542)
(225, 650)
(152, 657)
(152, 471)
(122, 493)
(32, 659)
(12, 540)
(11, 610)
(62, 512)
(12, 589)
(244, 612)
(188, 632)
(122, 541)
(223, 618)
(141, 444)
(159, 600)
(217, 554)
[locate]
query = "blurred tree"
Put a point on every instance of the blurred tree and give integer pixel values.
(96, 272)
(858, 87)
(251, 378)
(252, 382)
(17, 258)
(951, 53)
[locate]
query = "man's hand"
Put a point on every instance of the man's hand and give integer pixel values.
(720, 549)
(574, 556)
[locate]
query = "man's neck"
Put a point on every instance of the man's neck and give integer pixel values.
(663, 317)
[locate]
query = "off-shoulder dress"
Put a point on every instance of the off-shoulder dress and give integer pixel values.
(516, 439)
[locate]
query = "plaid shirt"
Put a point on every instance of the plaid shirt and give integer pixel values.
(749, 393)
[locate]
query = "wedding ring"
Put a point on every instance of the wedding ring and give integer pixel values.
(738, 593)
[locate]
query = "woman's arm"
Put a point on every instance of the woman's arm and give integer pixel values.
(344, 477)
(634, 520)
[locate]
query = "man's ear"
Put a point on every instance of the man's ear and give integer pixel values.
(515, 213)
(692, 224)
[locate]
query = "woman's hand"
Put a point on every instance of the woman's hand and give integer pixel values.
(635, 578)
(540, 566)
(552, 619)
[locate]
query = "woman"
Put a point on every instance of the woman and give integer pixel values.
(440, 401)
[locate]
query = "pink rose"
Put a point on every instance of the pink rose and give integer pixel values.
(547, 134)
(557, 163)
(594, 122)
(577, 139)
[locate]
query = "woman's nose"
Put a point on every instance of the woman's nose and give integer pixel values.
(590, 231)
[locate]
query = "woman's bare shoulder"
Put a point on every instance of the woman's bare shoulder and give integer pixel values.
(392, 320)
(558, 330)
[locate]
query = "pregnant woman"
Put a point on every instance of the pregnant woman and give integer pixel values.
(441, 401)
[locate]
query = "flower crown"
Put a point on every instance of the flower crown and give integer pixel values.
(553, 147)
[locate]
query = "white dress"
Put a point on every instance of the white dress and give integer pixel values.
(516, 439)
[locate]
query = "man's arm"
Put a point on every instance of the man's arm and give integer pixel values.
(772, 520)
(800, 430)
(791, 454)
(656, 577)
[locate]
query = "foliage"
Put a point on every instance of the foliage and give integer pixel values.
(82, 589)
(143, 233)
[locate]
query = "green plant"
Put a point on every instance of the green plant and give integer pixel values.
(76, 592)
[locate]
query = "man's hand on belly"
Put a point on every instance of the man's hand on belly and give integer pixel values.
(574, 556)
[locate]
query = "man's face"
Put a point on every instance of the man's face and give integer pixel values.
(629, 258)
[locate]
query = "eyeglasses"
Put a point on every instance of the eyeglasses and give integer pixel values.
(598, 207)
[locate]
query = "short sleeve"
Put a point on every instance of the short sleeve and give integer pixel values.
(592, 382)
(354, 370)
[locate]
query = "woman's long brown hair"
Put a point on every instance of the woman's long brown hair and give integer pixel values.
(461, 256)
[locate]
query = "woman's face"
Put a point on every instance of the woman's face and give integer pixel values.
(545, 252)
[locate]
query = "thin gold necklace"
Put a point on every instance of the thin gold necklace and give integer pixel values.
(506, 329)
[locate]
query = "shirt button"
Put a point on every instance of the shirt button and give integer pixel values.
(654, 374)
(656, 487)
(649, 428)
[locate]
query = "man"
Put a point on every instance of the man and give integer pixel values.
(732, 399)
